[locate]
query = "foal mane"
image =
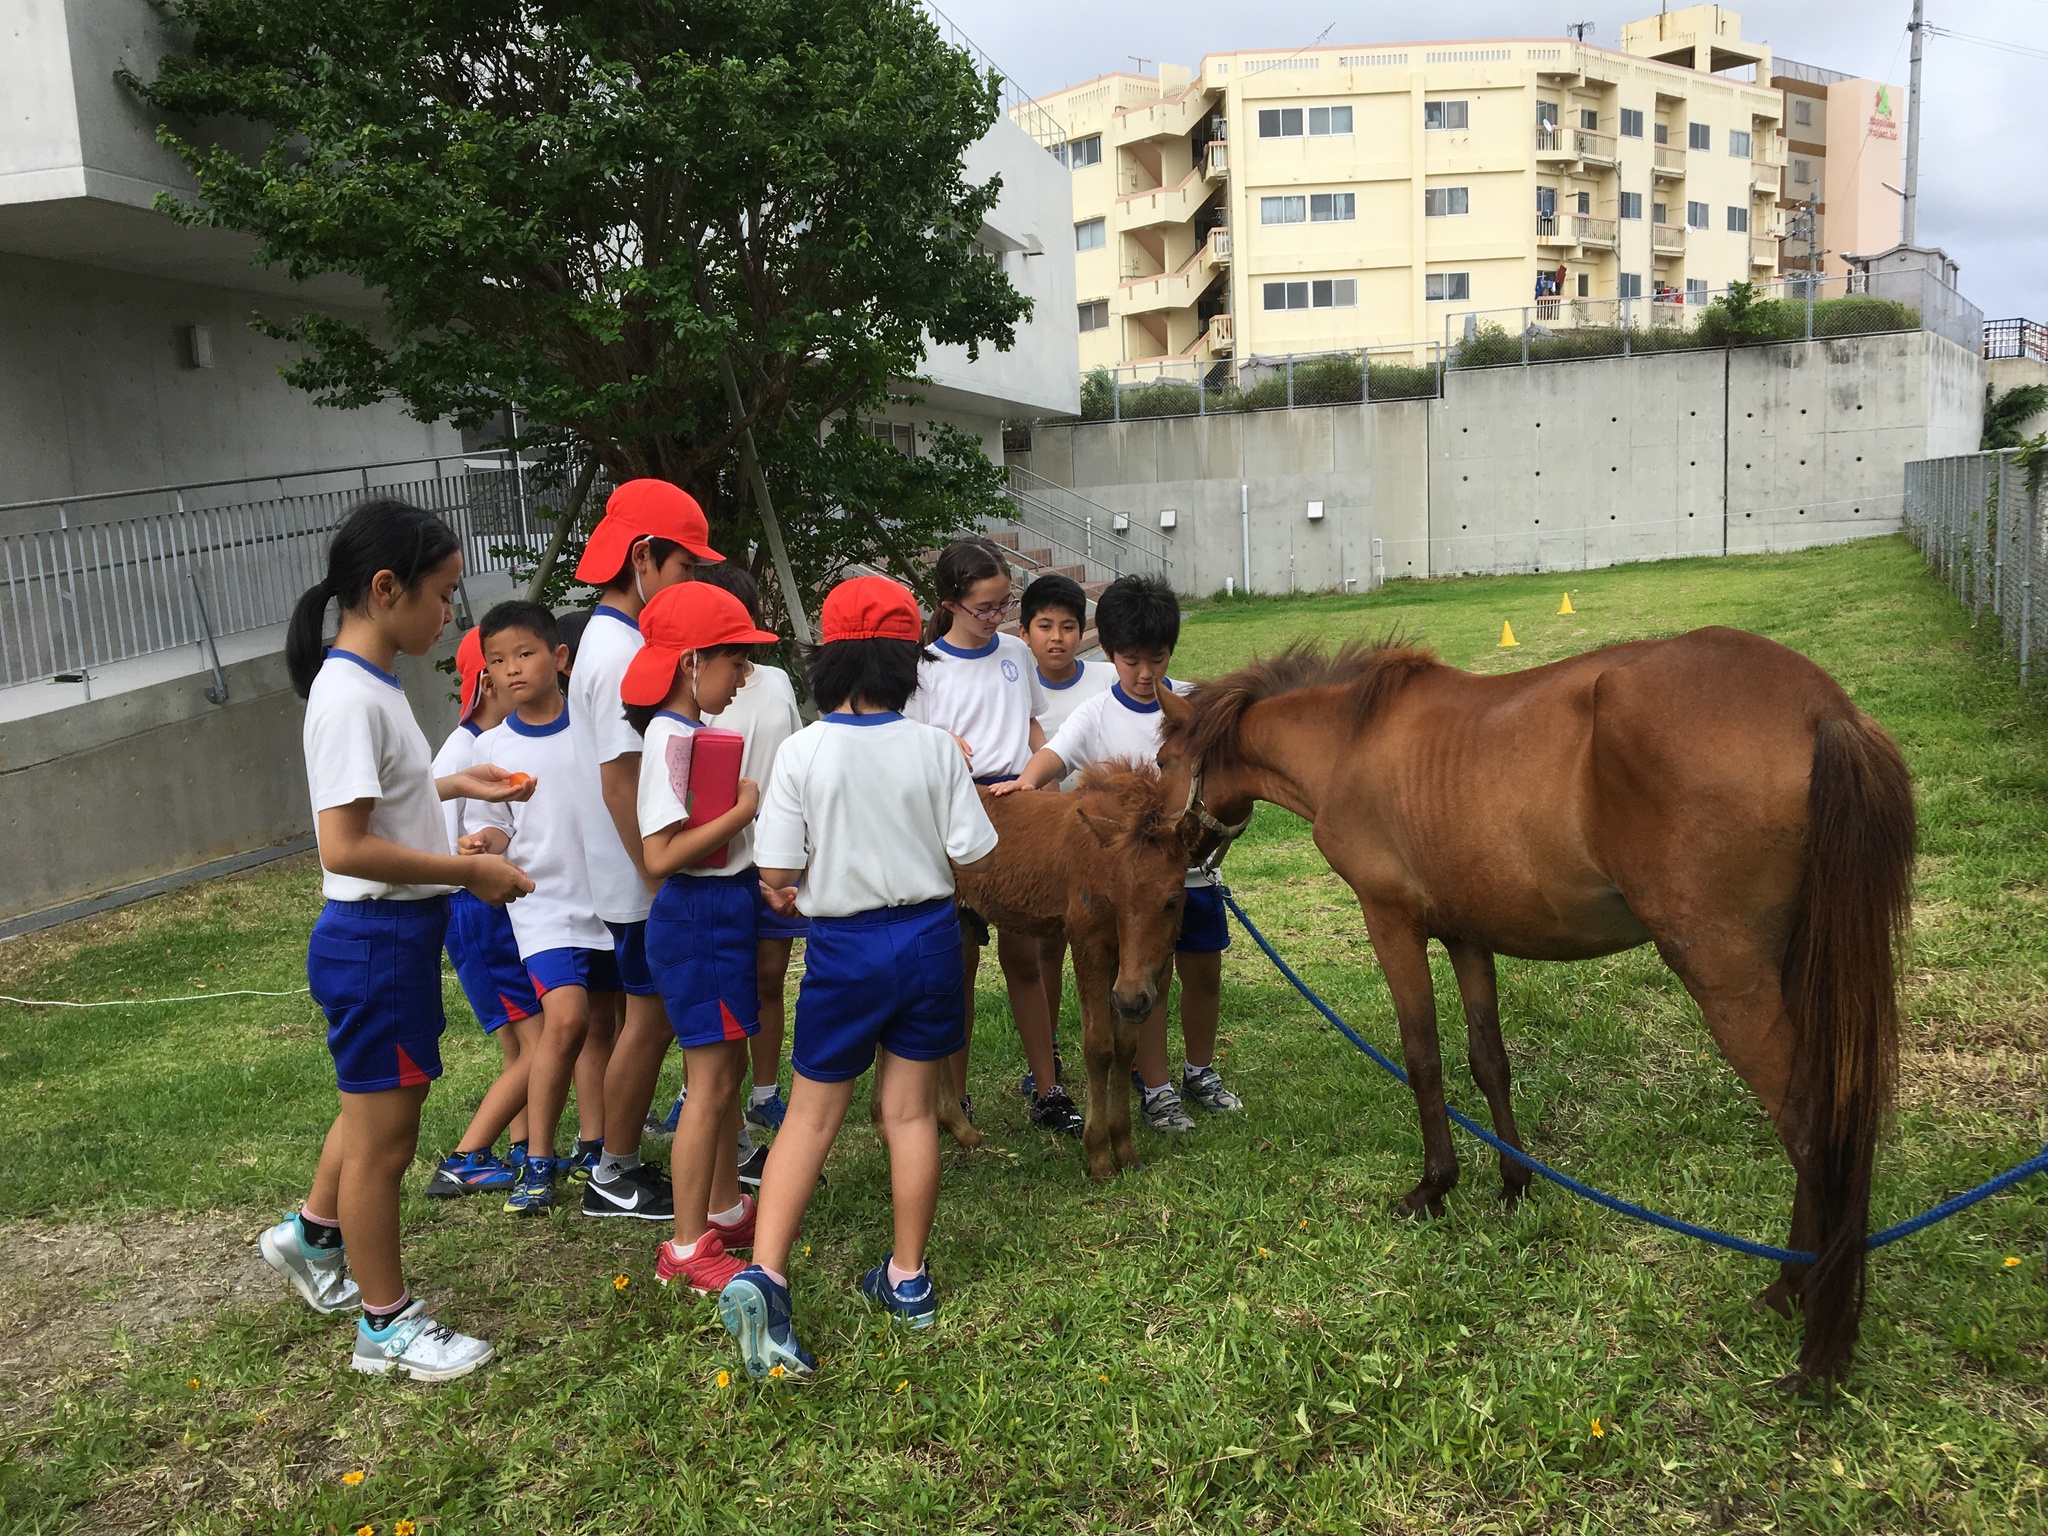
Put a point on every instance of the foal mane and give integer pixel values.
(1371, 672)
(1141, 797)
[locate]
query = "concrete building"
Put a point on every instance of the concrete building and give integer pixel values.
(1844, 140)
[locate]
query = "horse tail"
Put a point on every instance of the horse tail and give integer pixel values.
(1841, 991)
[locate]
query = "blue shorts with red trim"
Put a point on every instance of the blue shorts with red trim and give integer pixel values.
(629, 950)
(889, 978)
(700, 946)
(375, 970)
(773, 925)
(1204, 926)
(487, 964)
(592, 969)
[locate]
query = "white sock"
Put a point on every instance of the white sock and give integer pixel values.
(727, 1218)
(612, 1164)
(1189, 1069)
(763, 1095)
(681, 1251)
(1153, 1093)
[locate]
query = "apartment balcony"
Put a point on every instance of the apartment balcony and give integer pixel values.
(1172, 117)
(1217, 340)
(1172, 290)
(1763, 251)
(1667, 239)
(1669, 314)
(1216, 161)
(1568, 231)
(1163, 205)
(1765, 180)
(1594, 148)
(1570, 146)
(1667, 163)
(1219, 247)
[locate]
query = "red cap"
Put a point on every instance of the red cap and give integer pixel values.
(643, 509)
(694, 616)
(870, 608)
(469, 666)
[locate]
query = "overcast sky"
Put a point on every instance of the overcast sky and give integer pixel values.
(1983, 151)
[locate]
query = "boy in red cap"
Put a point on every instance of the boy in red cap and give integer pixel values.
(872, 812)
(485, 956)
(695, 641)
(650, 538)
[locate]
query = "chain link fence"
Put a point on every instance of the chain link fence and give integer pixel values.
(1978, 518)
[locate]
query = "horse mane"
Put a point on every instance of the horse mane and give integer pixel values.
(1371, 670)
(1140, 794)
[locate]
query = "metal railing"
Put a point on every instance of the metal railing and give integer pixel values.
(1085, 531)
(1981, 521)
(91, 580)
(1016, 105)
(2016, 338)
(1186, 386)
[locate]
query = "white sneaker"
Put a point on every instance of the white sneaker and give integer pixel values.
(415, 1343)
(319, 1275)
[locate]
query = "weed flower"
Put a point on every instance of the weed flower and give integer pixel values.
(1100, 1377)
(1597, 1430)
(405, 1528)
(621, 1283)
(366, 1530)
(776, 1370)
(194, 1382)
(2012, 1262)
(1264, 1255)
(352, 1478)
(901, 1385)
(725, 1378)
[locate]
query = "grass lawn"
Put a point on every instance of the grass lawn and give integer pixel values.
(1239, 1336)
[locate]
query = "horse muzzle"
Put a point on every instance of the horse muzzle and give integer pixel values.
(1132, 1006)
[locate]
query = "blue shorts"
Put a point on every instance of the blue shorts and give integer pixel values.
(771, 924)
(592, 969)
(888, 978)
(1204, 925)
(700, 946)
(629, 950)
(487, 964)
(375, 970)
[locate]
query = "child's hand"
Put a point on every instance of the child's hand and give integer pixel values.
(497, 880)
(473, 842)
(748, 800)
(487, 781)
(965, 750)
(781, 898)
(1009, 787)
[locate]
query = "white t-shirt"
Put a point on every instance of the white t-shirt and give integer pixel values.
(872, 807)
(1114, 727)
(547, 838)
(1062, 699)
(765, 712)
(988, 698)
(600, 732)
(457, 754)
(659, 805)
(362, 743)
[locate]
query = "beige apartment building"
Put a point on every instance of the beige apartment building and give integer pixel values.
(1331, 197)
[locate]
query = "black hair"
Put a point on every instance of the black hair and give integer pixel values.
(739, 581)
(878, 672)
(379, 535)
(1137, 613)
(1054, 591)
(516, 613)
(571, 626)
(960, 565)
(640, 716)
(658, 550)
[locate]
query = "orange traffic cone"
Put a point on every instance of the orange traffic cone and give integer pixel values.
(1566, 606)
(1507, 635)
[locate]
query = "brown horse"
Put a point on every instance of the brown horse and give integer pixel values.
(1102, 864)
(1714, 794)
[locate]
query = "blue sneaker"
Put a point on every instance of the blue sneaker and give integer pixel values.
(581, 1163)
(465, 1173)
(534, 1193)
(1029, 1087)
(767, 1115)
(755, 1311)
(665, 1127)
(516, 1154)
(913, 1302)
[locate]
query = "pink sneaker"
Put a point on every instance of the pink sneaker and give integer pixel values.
(738, 1234)
(705, 1271)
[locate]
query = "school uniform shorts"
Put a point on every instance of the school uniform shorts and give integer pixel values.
(700, 946)
(629, 952)
(1204, 925)
(888, 978)
(486, 958)
(375, 970)
(595, 970)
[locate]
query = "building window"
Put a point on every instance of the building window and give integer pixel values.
(1695, 290)
(1088, 235)
(1738, 144)
(1662, 133)
(1095, 316)
(1286, 296)
(1283, 210)
(1446, 114)
(1332, 207)
(1582, 202)
(1333, 293)
(1738, 221)
(1631, 122)
(1585, 285)
(1699, 136)
(1631, 285)
(899, 435)
(1328, 120)
(1546, 114)
(1696, 215)
(1659, 214)
(1280, 122)
(1589, 119)
(1802, 171)
(1445, 202)
(1081, 153)
(1631, 205)
(1455, 287)
(1802, 112)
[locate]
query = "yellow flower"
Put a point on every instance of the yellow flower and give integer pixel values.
(351, 1478)
(366, 1530)
(1597, 1430)
(775, 1370)
(725, 1378)
(901, 1385)
(807, 1250)
(1264, 1255)
(621, 1283)
(405, 1528)
(1101, 1378)
(1304, 1226)
(2010, 1263)
(194, 1382)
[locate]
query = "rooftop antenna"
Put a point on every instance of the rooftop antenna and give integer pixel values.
(1140, 62)
(1579, 29)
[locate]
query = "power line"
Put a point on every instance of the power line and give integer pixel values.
(1986, 42)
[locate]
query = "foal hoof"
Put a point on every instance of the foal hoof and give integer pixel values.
(1417, 1204)
(1776, 1297)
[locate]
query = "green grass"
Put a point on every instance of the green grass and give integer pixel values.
(1236, 1337)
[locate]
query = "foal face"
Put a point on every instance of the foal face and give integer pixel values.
(1145, 871)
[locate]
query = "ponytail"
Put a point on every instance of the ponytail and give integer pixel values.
(960, 565)
(380, 535)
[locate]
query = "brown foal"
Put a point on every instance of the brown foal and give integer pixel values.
(1715, 794)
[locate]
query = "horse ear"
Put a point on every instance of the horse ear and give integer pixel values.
(1105, 827)
(1172, 706)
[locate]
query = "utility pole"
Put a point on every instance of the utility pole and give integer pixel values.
(1909, 213)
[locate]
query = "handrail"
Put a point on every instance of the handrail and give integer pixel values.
(289, 474)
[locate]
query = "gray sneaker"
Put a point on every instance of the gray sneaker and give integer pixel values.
(319, 1275)
(419, 1346)
(1164, 1113)
(1205, 1088)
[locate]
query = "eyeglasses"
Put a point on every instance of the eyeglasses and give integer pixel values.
(990, 614)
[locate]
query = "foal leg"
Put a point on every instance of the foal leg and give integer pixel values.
(1108, 1097)
(1402, 948)
(1481, 993)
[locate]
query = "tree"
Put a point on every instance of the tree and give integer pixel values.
(2005, 414)
(573, 207)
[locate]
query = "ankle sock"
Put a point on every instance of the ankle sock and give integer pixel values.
(380, 1318)
(727, 1218)
(763, 1095)
(1189, 1070)
(612, 1164)
(898, 1276)
(1153, 1093)
(594, 1147)
(774, 1274)
(318, 1232)
(681, 1251)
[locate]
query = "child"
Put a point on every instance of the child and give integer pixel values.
(700, 931)
(1054, 615)
(651, 536)
(1138, 618)
(486, 959)
(765, 712)
(605, 1007)
(872, 811)
(374, 958)
(563, 946)
(982, 686)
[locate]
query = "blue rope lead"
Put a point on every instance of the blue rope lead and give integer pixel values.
(1942, 1212)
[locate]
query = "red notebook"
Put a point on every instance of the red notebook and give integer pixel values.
(704, 772)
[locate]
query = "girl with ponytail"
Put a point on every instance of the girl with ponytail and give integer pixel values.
(374, 959)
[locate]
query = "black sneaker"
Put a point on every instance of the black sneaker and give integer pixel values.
(1053, 1110)
(644, 1193)
(751, 1166)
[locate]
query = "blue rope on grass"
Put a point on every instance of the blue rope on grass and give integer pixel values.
(1889, 1235)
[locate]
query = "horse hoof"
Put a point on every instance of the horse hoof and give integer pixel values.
(1417, 1204)
(1511, 1195)
(1776, 1297)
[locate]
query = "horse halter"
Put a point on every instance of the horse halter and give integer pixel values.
(1225, 832)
